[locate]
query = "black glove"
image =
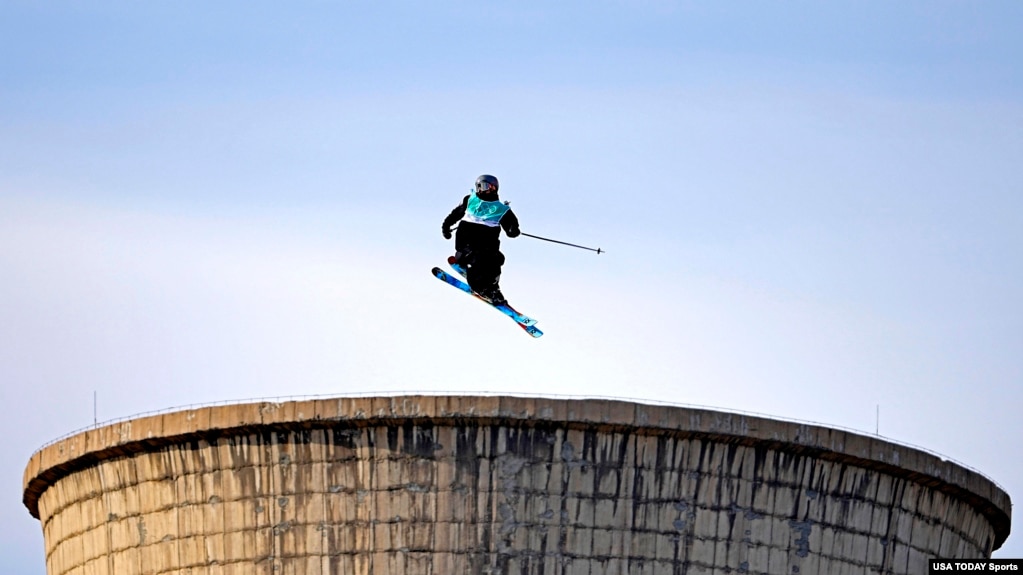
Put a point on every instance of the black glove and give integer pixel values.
(513, 233)
(446, 232)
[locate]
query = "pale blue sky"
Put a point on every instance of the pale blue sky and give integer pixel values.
(810, 210)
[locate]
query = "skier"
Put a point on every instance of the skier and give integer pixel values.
(480, 218)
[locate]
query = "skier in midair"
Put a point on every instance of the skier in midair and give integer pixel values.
(481, 216)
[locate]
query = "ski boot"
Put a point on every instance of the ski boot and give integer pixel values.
(457, 265)
(493, 295)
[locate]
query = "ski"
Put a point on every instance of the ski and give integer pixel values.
(514, 315)
(519, 317)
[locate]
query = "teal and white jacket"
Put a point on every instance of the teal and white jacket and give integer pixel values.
(484, 212)
(483, 219)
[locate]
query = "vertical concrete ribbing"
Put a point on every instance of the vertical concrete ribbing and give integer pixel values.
(499, 485)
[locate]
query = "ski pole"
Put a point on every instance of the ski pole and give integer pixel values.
(598, 250)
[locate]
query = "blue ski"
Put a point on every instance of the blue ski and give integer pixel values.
(524, 320)
(526, 323)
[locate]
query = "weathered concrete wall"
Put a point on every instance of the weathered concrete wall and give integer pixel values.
(426, 485)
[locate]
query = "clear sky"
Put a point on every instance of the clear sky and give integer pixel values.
(811, 210)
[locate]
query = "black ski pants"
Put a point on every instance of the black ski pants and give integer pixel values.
(479, 252)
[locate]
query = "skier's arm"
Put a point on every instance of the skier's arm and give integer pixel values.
(510, 223)
(455, 215)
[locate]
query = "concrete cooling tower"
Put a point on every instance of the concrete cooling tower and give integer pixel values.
(427, 485)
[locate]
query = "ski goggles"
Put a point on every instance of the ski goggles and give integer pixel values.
(485, 188)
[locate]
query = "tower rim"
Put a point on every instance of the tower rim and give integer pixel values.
(124, 438)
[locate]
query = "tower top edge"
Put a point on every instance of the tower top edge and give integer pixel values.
(117, 439)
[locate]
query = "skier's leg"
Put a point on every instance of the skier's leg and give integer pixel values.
(495, 271)
(462, 251)
(467, 239)
(485, 274)
(464, 258)
(477, 274)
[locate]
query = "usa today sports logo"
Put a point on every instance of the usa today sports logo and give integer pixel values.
(975, 566)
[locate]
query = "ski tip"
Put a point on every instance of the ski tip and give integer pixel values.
(531, 330)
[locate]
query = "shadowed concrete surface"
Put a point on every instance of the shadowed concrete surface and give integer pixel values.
(498, 485)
